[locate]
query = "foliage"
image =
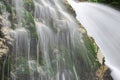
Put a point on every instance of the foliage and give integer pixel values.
(29, 6)
(22, 66)
(8, 5)
(115, 3)
(29, 23)
(2, 7)
(92, 50)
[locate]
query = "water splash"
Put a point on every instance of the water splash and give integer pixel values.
(103, 24)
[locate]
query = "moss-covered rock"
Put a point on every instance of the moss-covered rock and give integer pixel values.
(5, 43)
(29, 6)
(29, 23)
(91, 64)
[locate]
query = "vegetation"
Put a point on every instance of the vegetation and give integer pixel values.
(28, 23)
(84, 58)
(29, 6)
(115, 3)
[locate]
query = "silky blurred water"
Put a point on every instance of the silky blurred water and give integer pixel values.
(59, 51)
(103, 24)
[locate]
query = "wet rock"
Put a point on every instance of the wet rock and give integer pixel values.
(107, 75)
(100, 56)
(3, 48)
(0, 21)
(103, 73)
(69, 8)
(0, 18)
(1, 25)
(5, 40)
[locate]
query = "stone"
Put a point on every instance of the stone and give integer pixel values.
(1, 22)
(103, 73)
(100, 56)
(0, 18)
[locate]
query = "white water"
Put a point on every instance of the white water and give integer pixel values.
(103, 24)
(19, 7)
(55, 36)
(58, 52)
(20, 54)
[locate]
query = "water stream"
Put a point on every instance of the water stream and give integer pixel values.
(58, 52)
(50, 44)
(103, 24)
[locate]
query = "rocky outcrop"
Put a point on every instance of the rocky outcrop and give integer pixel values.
(103, 73)
(5, 40)
(69, 8)
(5, 46)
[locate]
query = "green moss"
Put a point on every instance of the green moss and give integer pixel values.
(90, 45)
(23, 67)
(29, 6)
(7, 5)
(29, 23)
(2, 7)
(92, 50)
(9, 8)
(28, 20)
(13, 26)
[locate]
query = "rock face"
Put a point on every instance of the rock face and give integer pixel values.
(5, 40)
(5, 44)
(3, 48)
(103, 73)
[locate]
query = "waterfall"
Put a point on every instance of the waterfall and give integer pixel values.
(58, 35)
(49, 44)
(102, 23)
(20, 54)
(19, 6)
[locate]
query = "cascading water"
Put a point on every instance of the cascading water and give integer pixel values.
(50, 45)
(18, 8)
(21, 47)
(102, 23)
(20, 54)
(58, 35)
